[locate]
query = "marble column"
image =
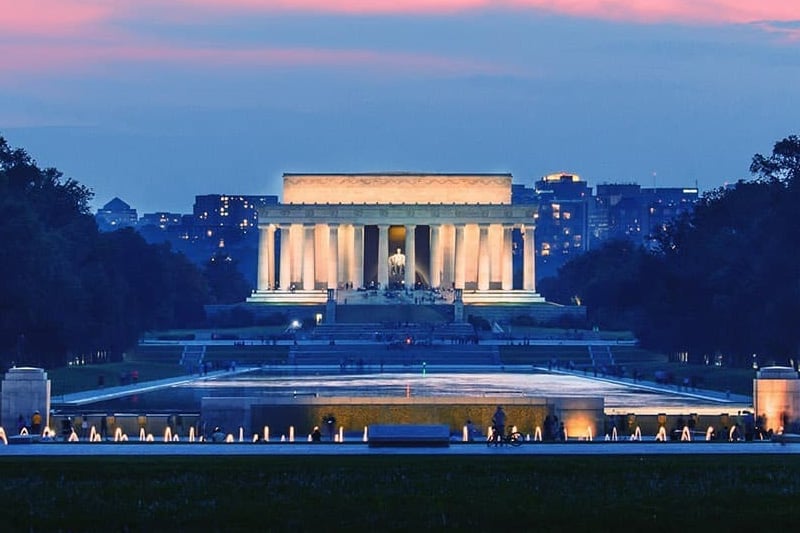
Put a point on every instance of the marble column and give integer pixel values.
(333, 256)
(264, 258)
(447, 239)
(358, 255)
(508, 258)
(286, 258)
(528, 259)
(435, 274)
(346, 253)
(309, 240)
(297, 237)
(460, 257)
(383, 255)
(484, 263)
(271, 251)
(411, 257)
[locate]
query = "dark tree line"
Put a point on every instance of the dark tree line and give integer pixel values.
(724, 280)
(68, 290)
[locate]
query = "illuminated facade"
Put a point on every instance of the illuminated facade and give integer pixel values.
(776, 398)
(452, 231)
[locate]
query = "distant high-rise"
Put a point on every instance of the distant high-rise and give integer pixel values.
(562, 222)
(570, 220)
(627, 211)
(161, 219)
(224, 216)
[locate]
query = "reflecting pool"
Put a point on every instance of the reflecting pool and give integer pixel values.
(262, 383)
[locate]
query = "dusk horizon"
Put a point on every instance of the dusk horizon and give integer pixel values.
(157, 104)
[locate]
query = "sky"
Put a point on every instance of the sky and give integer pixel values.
(156, 101)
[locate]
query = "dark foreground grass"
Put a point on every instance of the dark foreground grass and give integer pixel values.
(400, 493)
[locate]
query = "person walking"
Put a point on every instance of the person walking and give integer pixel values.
(498, 425)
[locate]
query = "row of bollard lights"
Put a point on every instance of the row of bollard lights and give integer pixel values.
(220, 437)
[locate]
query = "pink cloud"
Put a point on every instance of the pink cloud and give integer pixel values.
(788, 34)
(49, 17)
(52, 17)
(685, 11)
(38, 34)
(46, 58)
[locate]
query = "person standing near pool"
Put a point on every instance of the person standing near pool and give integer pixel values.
(36, 423)
(498, 424)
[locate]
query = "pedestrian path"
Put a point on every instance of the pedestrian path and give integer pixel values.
(598, 448)
(110, 393)
(701, 394)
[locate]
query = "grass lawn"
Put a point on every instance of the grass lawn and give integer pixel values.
(249, 332)
(400, 493)
(66, 380)
(537, 332)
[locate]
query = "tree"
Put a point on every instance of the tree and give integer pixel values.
(723, 280)
(605, 280)
(67, 290)
(783, 165)
(225, 281)
(47, 233)
(731, 285)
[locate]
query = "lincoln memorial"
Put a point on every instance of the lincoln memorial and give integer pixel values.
(455, 232)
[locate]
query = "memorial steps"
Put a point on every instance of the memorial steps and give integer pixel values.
(372, 356)
(296, 297)
(399, 331)
(384, 314)
(500, 297)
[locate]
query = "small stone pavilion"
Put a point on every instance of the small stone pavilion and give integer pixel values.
(25, 390)
(776, 397)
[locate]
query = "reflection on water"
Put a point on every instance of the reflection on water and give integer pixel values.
(187, 397)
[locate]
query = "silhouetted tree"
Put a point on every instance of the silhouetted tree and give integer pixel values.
(65, 289)
(723, 280)
(605, 280)
(226, 283)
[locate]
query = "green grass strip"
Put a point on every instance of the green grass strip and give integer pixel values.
(399, 493)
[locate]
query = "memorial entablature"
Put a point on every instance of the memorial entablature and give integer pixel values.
(395, 231)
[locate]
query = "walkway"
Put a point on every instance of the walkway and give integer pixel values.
(466, 449)
(110, 393)
(700, 394)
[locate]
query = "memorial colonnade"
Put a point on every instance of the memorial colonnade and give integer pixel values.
(396, 230)
(324, 247)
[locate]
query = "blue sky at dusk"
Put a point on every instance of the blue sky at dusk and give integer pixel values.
(156, 101)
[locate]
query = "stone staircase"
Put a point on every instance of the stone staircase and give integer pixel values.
(602, 358)
(192, 357)
(399, 331)
(373, 356)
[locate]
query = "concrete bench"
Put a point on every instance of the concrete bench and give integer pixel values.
(408, 435)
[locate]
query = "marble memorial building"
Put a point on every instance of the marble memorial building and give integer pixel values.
(395, 230)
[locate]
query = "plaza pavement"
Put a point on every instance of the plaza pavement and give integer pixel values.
(623, 447)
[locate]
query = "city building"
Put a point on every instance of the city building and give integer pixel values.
(162, 220)
(225, 217)
(562, 227)
(115, 214)
(628, 211)
(568, 220)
